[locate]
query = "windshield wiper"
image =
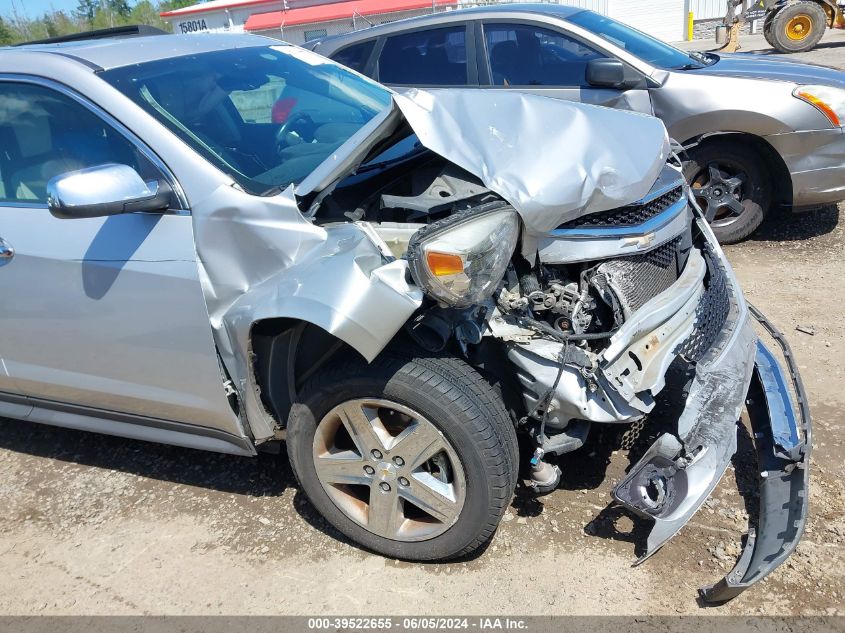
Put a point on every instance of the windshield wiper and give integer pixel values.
(415, 151)
(698, 61)
(702, 58)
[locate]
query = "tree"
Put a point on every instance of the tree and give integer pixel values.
(120, 7)
(88, 14)
(146, 13)
(170, 5)
(7, 33)
(55, 24)
(86, 9)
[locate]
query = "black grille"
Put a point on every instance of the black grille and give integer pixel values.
(711, 313)
(630, 215)
(639, 278)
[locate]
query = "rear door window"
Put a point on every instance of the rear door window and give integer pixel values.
(355, 56)
(528, 55)
(433, 57)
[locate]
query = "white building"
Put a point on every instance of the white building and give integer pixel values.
(298, 21)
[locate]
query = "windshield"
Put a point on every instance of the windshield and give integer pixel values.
(644, 46)
(265, 115)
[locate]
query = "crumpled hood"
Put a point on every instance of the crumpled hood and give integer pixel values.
(552, 160)
(753, 66)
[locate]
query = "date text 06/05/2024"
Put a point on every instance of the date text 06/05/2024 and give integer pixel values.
(417, 623)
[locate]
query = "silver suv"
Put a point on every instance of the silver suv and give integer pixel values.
(223, 242)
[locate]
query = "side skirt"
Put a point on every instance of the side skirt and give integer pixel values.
(127, 425)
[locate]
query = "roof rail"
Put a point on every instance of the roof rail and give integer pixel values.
(132, 30)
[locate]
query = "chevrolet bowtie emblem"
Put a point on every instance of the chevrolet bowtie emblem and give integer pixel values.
(641, 242)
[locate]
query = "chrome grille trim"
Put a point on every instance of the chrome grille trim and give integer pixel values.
(652, 224)
(567, 246)
(631, 214)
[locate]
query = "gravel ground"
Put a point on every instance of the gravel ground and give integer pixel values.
(99, 525)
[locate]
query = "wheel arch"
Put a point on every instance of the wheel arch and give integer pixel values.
(284, 353)
(343, 296)
(830, 8)
(773, 162)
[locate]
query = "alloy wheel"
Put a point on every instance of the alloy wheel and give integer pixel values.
(389, 469)
(719, 190)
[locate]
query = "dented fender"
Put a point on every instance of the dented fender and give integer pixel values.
(259, 258)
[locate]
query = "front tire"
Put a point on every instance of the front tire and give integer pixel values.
(731, 185)
(796, 27)
(410, 457)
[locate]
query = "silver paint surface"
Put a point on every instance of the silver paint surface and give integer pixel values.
(552, 160)
(111, 182)
(260, 258)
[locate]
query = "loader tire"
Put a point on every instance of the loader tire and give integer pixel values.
(796, 27)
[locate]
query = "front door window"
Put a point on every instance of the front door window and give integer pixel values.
(526, 55)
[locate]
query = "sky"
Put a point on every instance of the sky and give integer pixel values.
(34, 8)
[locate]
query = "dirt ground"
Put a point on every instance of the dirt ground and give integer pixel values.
(99, 525)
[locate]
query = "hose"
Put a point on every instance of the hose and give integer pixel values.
(561, 336)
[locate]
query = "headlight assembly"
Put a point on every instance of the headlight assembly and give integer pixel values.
(460, 260)
(828, 100)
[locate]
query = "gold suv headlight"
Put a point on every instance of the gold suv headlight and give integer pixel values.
(461, 260)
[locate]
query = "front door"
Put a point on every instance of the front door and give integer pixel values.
(534, 58)
(105, 313)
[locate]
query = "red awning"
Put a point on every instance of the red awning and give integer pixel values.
(334, 11)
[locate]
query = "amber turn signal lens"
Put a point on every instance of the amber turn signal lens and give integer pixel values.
(821, 105)
(442, 264)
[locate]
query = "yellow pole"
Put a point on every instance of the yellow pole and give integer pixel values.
(690, 19)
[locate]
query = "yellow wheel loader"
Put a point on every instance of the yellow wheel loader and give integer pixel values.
(790, 26)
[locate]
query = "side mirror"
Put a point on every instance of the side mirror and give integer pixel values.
(108, 189)
(606, 73)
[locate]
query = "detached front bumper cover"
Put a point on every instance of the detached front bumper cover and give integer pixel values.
(668, 484)
(783, 446)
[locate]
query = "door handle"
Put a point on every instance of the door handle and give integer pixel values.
(6, 252)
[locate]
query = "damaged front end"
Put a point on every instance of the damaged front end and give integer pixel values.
(589, 334)
(587, 327)
(593, 334)
(569, 268)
